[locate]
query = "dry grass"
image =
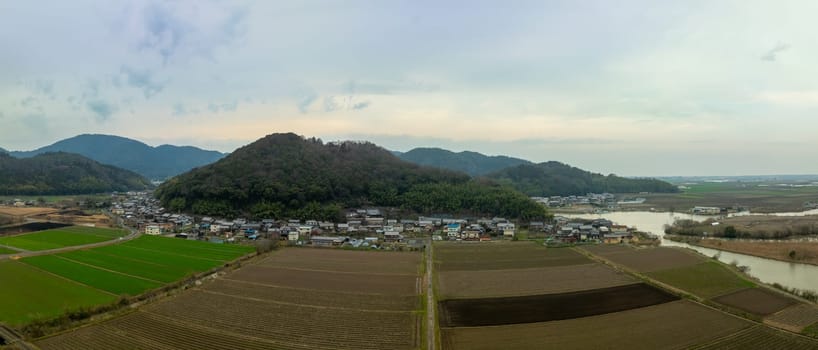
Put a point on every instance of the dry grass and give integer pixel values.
(25, 211)
(801, 252)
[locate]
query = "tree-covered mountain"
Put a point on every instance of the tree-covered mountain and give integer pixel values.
(286, 175)
(63, 173)
(472, 163)
(156, 163)
(3, 151)
(558, 179)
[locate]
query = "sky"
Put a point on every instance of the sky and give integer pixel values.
(635, 88)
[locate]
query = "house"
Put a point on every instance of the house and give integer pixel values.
(325, 241)
(706, 210)
(536, 226)
(304, 230)
(506, 228)
(392, 237)
(453, 229)
(292, 236)
(153, 230)
(471, 235)
(617, 238)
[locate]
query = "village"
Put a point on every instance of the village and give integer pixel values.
(364, 228)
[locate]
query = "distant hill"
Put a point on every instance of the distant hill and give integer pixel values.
(3, 151)
(472, 163)
(157, 163)
(558, 179)
(286, 175)
(63, 173)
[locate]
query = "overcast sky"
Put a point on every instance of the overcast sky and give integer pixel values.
(626, 87)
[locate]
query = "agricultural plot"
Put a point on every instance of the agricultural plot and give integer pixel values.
(271, 307)
(794, 318)
(320, 298)
(4, 251)
(502, 256)
(349, 261)
(548, 307)
(706, 280)
(61, 237)
(27, 294)
(532, 281)
(757, 301)
(349, 282)
(762, 338)
(91, 276)
(650, 259)
(674, 325)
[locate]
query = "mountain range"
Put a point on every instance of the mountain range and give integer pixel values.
(286, 175)
(472, 163)
(156, 163)
(63, 173)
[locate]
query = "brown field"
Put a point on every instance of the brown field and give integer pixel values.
(674, 325)
(313, 297)
(260, 309)
(802, 252)
(654, 259)
(607, 249)
(548, 307)
(25, 211)
(347, 261)
(762, 338)
(502, 256)
(517, 282)
(758, 301)
(794, 318)
(349, 282)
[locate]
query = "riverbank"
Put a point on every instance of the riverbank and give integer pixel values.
(794, 252)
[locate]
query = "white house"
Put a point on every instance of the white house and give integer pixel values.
(153, 230)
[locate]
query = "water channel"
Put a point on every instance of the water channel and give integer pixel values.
(793, 275)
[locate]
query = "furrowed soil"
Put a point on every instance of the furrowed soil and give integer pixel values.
(674, 325)
(502, 256)
(651, 259)
(794, 318)
(761, 338)
(342, 282)
(532, 281)
(758, 301)
(548, 307)
(349, 261)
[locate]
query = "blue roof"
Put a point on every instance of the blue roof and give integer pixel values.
(454, 225)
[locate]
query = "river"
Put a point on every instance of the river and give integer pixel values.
(792, 275)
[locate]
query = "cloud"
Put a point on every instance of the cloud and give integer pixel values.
(45, 87)
(101, 109)
(792, 98)
(772, 54)
(142, 79)
(361, 105)
(185, 29)
(223, 107)
(304, 103)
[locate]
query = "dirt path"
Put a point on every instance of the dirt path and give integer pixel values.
(430, 301)
(134, 234)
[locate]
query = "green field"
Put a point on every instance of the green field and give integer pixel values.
(757, 196)
(6, 251)
(61, 237)
(706, 280)
(94, 277)
(28, 294)
(47, 286)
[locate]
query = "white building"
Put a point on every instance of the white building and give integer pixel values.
(153, 230)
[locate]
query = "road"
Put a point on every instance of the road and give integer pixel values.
(430, 301)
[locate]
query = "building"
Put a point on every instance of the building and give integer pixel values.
(453, 230)
(706, 210)
(153, 230)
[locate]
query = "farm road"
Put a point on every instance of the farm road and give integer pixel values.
(430, 301)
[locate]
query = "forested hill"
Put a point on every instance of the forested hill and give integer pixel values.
(63, 173)
(286, 175)
(558, 179)
(156, 163)
(3, 151)
(472, 163)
